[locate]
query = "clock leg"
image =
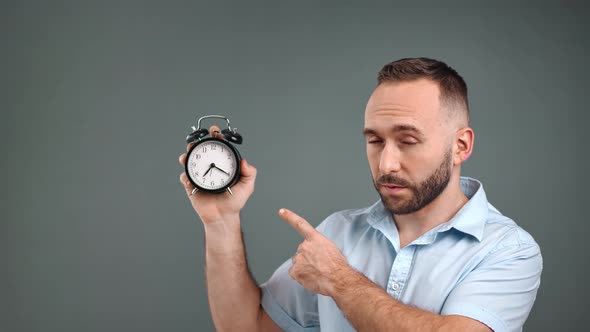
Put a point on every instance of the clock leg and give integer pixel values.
(229, 191)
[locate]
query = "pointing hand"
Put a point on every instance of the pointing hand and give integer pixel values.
(318, 262)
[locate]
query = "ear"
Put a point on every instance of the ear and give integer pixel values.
(463, 146)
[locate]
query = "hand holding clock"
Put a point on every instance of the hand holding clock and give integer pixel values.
(318, 264)
(213, 208)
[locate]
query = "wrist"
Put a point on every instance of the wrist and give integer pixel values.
(218, 220)
(222, 225)
(344, 280)
(223, 237)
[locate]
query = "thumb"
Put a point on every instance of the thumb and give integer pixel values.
(248, 172)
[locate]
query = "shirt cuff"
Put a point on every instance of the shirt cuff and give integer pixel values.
(478, 313)
(279, 316)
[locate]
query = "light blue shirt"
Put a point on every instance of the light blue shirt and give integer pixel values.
(479, 264)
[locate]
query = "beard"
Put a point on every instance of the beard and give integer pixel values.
(423, 193)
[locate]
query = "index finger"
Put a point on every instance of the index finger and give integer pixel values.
(301, 225)
(214, 131)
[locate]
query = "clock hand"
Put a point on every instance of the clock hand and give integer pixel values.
(222, 170)
(210, 167)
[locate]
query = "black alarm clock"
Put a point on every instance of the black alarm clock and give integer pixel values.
(212, 163)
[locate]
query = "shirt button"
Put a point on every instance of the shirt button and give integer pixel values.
(395, 286)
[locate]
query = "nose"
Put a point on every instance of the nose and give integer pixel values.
(390, 159)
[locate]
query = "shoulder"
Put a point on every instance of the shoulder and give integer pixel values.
(504, 237)
(505, 230)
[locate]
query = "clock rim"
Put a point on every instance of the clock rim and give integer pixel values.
(230, 183)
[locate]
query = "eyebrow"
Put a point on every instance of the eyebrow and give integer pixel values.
(400, 127)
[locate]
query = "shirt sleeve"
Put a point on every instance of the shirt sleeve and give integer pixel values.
(501, 291)
(290, 305)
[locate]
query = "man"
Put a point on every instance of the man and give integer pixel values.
(431, 255)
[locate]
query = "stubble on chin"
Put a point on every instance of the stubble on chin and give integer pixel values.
(399, 206)
(421, 194)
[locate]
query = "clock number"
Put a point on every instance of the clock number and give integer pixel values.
(198, 156)
(222, 149)
(212, 183)
(213, 147)
(204, 149)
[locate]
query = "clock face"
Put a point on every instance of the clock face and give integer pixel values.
(212, 164)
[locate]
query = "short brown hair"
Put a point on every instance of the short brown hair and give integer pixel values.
(453, 90)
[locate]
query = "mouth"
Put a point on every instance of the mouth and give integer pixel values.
(392, 188)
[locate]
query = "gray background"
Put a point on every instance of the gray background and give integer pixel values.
(96, 233)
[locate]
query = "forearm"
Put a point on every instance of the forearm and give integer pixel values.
(234, 297)
(369, 308)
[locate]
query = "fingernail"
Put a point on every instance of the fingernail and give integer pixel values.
(281, 211)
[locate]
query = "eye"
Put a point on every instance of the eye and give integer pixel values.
(408, 140)
(374, 141)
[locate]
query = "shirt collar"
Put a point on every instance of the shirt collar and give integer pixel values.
(470, 219)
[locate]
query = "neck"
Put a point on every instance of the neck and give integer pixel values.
(442, 209)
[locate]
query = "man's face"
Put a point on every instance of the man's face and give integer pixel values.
(409, 146)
